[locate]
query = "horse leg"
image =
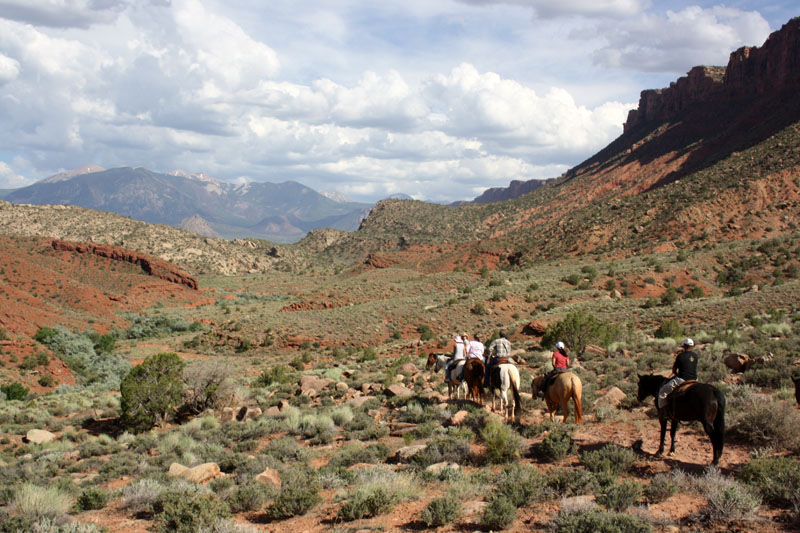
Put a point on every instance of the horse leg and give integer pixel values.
(504, 405)
(565, 409)
(663, 422)
(673, 428)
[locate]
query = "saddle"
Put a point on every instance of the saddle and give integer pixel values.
(502, 361)
(680, 389)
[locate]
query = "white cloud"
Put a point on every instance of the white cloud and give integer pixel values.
(10, 179)
(679, 40)
(9, 69)
(566, 8)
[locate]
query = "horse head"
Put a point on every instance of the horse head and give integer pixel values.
(431, 361)
(649, 385)
(536, 385)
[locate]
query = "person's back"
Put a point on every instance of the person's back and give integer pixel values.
(686, 365)
(475, 349)
(500, 348)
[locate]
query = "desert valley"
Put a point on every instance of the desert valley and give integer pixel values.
(157, 376)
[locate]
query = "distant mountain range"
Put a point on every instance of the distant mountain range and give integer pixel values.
(280, 212)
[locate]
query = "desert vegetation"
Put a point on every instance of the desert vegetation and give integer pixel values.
(235, 415)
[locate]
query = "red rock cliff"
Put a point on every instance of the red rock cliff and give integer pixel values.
(751, 72)
(150, 265)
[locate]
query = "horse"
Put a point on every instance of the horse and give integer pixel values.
(502, 377)
(473, 377)
(566, 385)
(796, 380)
(692, 401)
(439, 361)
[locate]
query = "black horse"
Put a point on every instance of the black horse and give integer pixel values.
(700, 401)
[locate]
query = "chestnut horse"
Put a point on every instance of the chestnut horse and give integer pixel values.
(473, 376)
(565, 386)
(689, 402)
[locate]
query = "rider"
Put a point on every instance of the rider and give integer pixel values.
(684, 369)
(458, 355)
(560, 360)
(475, 349)
(500, 348)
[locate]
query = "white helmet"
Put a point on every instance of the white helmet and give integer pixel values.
(688, 342)
(560, 345)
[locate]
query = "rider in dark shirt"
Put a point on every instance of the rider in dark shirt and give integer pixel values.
(685, 366)
(684, 369)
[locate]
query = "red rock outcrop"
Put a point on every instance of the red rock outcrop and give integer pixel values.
(150, 265)
(751, 72)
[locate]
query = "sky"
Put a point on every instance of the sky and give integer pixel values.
(436, 99)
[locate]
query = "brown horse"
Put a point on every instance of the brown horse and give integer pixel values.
(689, 402)
(566, 385)
(473, 376)
(796, 380)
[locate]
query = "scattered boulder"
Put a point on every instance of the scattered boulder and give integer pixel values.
(458, 418)
(248, 413)
(535, 327)
(199, 474)
(438, 467)
(311, 382)
(409, 369)
(269, 477)
(612, 398)
(342, 387)
(737, 362)
(228, 414)
(404, 454)
(398, 390)
(593, 349)
(272, 411)
(39, 436)
(359, 401)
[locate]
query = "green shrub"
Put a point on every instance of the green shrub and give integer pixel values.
(762, 421)
(275, 375)
(299, 493)
(726, 497)
(610, 459)
(557, 444)
(46, 380)
(669, 328)
(15, 391)
(777, 480)
(188, 512)
(353, 453)
(151, 391)
(99, 370)
(594, 520)
(571, 482)
(522, 484)
(499, 513)
(503, 444)
(579, 329)
(453, 447)
(92, 498)
(620, 496)
(661, 488)
(669, 297)
(441, 511)
(368, 502)
(144, 327)
(250, 497)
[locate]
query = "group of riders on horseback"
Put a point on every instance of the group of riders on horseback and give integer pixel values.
(678, 397)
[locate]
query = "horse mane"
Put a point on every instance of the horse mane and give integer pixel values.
(650, 383)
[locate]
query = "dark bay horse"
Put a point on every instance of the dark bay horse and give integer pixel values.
(694, 401)
(473, 376)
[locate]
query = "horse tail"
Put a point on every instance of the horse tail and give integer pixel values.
(718, 440)
(517, 400)
(577, 390)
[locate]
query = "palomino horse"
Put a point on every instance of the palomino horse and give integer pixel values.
(690, 401)
(439, 361)
(473, 377)
(503, 377)
(566, 385)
